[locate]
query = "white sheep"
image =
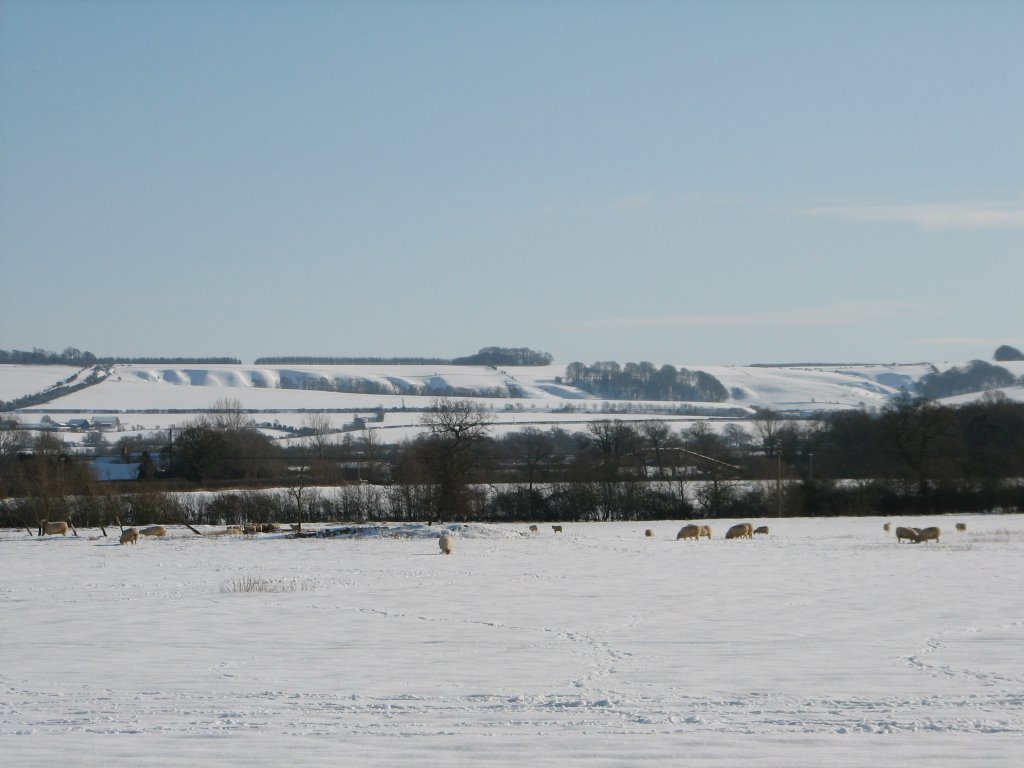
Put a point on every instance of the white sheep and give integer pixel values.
(446, 542)
(648, 533)
(762, 529)
(130, 536)
(887, 527)
(928, 534)
(689, 532)
(705, 530)
(153, 530)
(534, 529)
(910, 534)
(961, 527)
(53, 529)
(740, 531)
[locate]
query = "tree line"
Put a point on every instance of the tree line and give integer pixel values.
(76, 357)
(914, 457)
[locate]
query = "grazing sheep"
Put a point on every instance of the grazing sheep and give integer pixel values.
(130, 536)
(740, 531)
(910, 534)
(153, 530)
(887, 527)
(53, 529)
(447, 543)
(556, 528)
(961, 527)
(762, 529)
(705, 530)
(235, 530)
(534, 529)
(689, 532)
(648, 533)
(928, 534)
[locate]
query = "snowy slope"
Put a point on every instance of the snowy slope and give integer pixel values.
(21, 380)
(150, 397)
(131, 387)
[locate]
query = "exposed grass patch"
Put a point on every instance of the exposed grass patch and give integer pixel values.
(997, 536)
(250, 583)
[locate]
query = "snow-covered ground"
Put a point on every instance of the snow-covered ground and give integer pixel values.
(825, 643)
(20, 380)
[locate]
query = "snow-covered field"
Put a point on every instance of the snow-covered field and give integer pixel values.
(20, 380)
(823, 644)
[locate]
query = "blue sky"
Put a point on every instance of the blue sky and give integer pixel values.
(680, 182)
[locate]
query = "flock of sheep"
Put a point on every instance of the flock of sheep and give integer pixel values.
(447, 541)
(132, 535)
(741, 531)
(738, 531)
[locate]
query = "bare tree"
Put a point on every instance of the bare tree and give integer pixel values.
(455, 429)
(13, 438)
(318, 430)
(227, 414)
(767, 424)
(456, 420)
(656, 432)
(300, 491)
(371, 452)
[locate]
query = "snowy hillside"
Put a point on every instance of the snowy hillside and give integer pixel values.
(150, 397)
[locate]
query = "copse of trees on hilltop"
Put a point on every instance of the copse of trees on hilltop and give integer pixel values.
(976, 376)
(505, 356)
(493, 356)
(643, 381)
(1006, 353)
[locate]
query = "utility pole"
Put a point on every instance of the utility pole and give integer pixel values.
(778, 487)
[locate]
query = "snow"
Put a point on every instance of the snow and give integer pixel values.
(21, 380)
(825, 643)
(150, 397)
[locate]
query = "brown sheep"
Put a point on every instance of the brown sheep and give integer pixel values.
(961, 527)
(740, 531)
(648, 533)
(447, 543)
(556, 528)
(761, 529)
(53, 529)
(130, 536)
(928, 534)
(887, 527)
(689, 532)
(705, 530)
(910, 534)
(153, 530)
(534, 529)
